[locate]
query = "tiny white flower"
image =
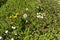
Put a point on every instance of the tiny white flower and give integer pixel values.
(13, 27)
(6, 31)
(12, 38)
(27, 9)
(25, 16)
(0, 37)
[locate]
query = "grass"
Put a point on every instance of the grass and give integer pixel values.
(29, 20)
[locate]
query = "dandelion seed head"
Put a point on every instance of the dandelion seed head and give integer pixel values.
(25, 16)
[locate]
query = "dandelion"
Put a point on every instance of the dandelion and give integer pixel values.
(12, 38)
(0, 37)
(14, 17)
(13, 27)
(27, 9)
(6, 31)
(25, 16)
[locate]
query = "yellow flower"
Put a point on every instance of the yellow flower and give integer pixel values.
(14, 16)
(17, 14)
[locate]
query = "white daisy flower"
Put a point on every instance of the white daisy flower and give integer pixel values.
(13, 27)
(27, 9)
(25, 16)
(12, 38)
(0, 37)
(6, 31)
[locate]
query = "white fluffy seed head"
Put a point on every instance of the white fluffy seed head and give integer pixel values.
(25, 16)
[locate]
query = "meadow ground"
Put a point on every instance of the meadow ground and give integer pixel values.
(29, 20)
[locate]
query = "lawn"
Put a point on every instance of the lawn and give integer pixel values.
(29, 19)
